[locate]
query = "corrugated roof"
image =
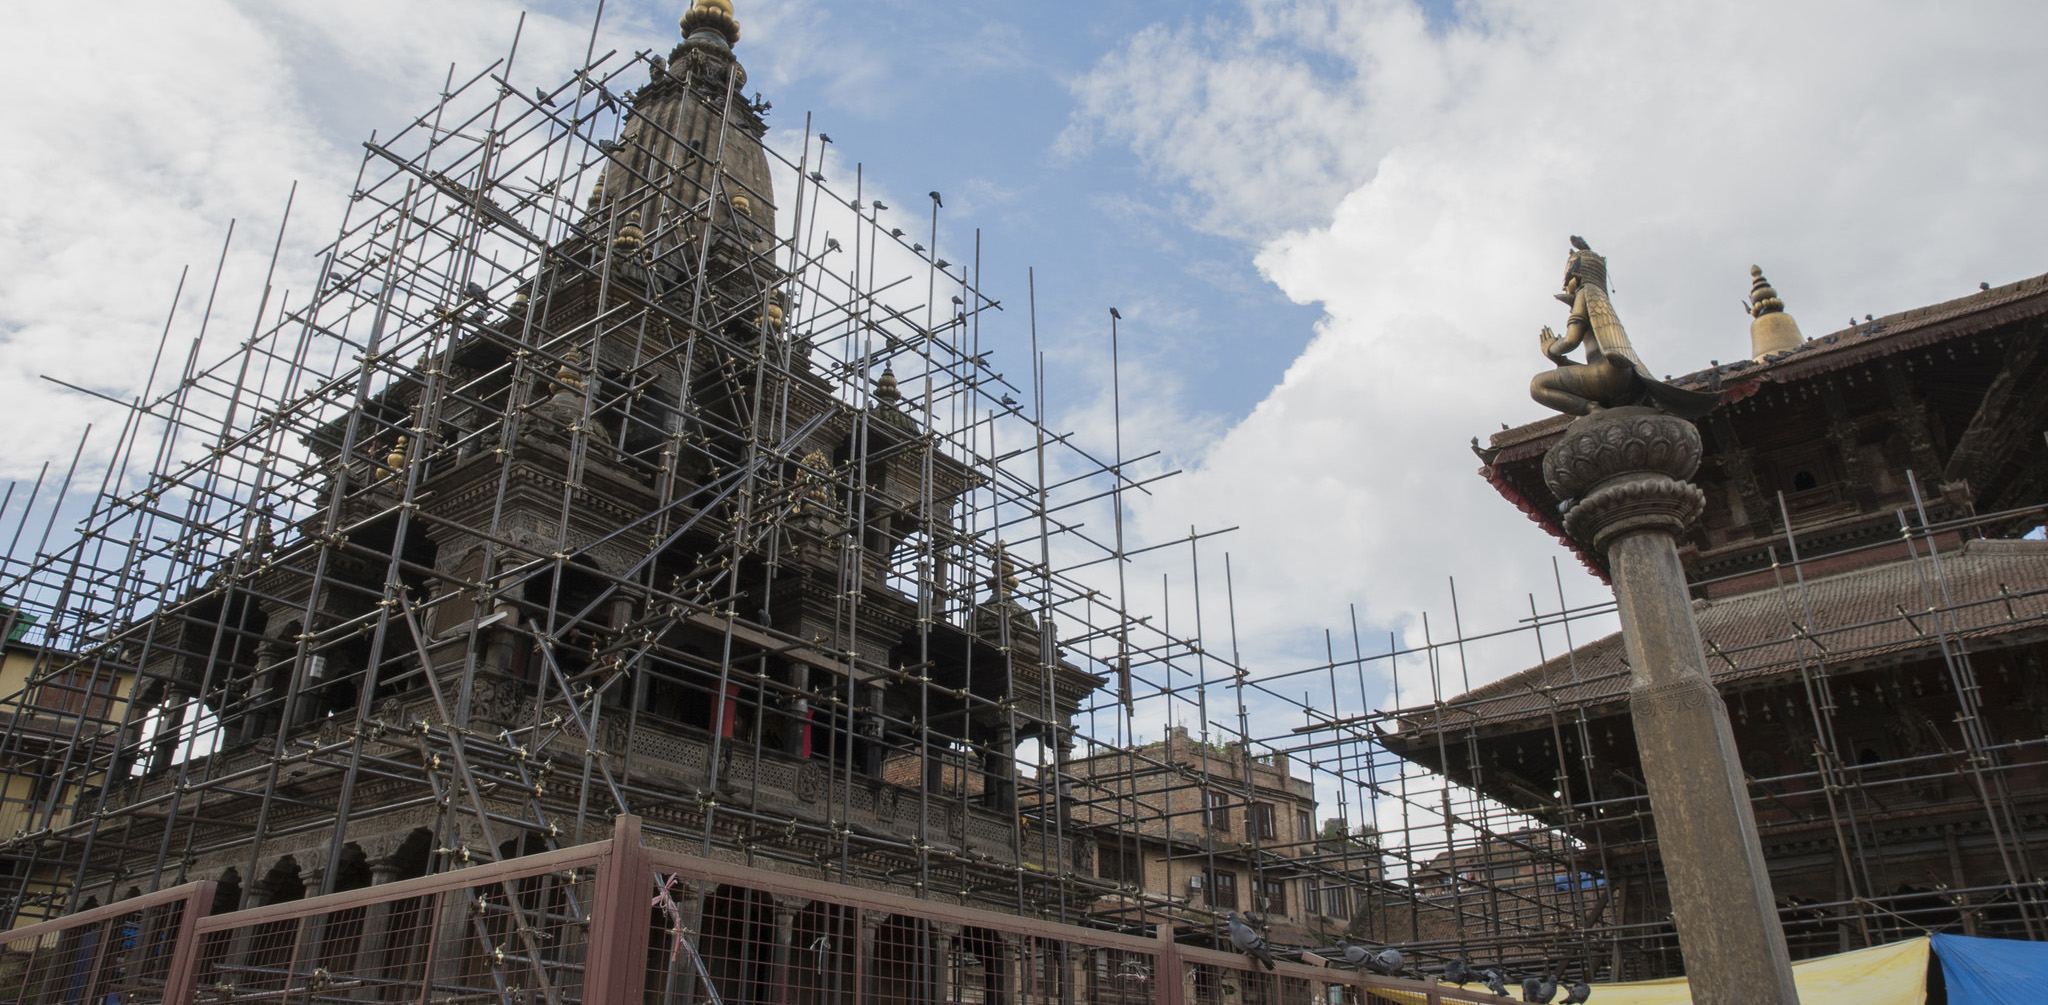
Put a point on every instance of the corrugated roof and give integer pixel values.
(1994, 588)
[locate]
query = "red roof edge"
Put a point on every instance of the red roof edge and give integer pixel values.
(1535, 512)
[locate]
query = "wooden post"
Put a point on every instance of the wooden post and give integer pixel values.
(616, 962)
(184, 969)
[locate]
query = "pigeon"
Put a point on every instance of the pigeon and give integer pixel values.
(895, 231)
(1388, 961)
(919, 248)
(1577, 994)
(1009, 401)
(543, 96)
(880, 205)
(822, 138)
(831, 244)
(1458, 972)
(1497, 983)
(943, 264)
(817, 178)
(1984, 286)
(1538, 991)
(609, 146)
(936, 201)
(476, 291)
(1248, 941)
(1115, 314)
(1354, 955)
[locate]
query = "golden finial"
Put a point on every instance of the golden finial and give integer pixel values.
(395, 460)
(772, 314)
(715, 15)
(820, 491)
(571, 373)
(630, 236)
(1771, 330)
(1004, 582)
(596, 192)
(885, 387)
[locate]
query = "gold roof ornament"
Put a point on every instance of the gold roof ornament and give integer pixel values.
(712, 15)
(1771, 330)
(596, 193)
(772, 317)
(629, 237)
(885, 387)
(395, 460)
(1004, 581)
(571, 373)
(741, 206)
(818, 491)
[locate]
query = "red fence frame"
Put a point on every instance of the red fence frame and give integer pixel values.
(628, 893)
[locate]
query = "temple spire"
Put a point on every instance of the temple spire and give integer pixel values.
(1771, 330)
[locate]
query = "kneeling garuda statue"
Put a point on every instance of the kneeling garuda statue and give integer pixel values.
(1612, 375)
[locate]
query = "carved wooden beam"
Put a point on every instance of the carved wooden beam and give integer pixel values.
(1734, 458)
(1978, 442)
(1843, 431)
(1911, 417)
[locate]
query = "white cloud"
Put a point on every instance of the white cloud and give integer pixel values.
(1419, 182)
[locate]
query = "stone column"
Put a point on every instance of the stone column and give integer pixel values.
(370, 959)
(1012, 981)
(682, 971)
(866, 963)
(786, 910)
(945, 979)
(1623, 472)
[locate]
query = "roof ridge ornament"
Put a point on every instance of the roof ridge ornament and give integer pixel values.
(1771, 330)
(711, 16)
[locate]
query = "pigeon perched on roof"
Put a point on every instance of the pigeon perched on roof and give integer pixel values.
(1459, 972)
(1538, 991)
(475, 290)
(1249, 942)
(1388, 961)
(1577, 994)
(1354, 955)
(1497, 983)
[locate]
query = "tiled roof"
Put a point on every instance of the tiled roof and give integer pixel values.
(1876, 613)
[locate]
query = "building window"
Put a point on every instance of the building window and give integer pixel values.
(1216, 810)
(1311, 901)
(1222, 887)
(1337, 901)
(1273, 896)
(1304, 826)
(1264, 823)
(1120, 863)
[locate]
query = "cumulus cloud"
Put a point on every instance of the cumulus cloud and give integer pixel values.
(1418, 182)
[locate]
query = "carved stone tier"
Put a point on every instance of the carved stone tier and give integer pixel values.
(1623, 471)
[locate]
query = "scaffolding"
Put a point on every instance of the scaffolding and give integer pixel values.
(619, 462)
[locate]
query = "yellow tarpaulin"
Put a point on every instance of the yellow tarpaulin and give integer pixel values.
(1895, 974)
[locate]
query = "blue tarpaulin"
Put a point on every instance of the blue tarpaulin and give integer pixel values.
(1992, 971)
